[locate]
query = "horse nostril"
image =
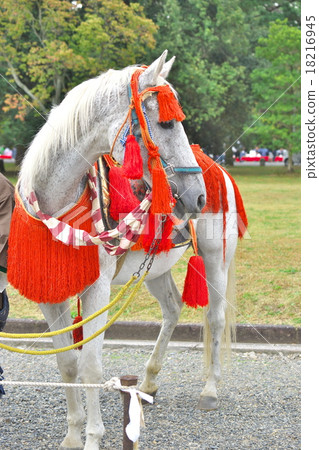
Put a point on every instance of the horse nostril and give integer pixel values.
(201, 201)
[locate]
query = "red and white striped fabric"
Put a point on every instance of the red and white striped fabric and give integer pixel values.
(127, 231)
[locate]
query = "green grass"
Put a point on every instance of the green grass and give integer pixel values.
(268, 264)
(267, 259)
(11, 172)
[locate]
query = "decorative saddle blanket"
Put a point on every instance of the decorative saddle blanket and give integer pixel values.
(43, 269)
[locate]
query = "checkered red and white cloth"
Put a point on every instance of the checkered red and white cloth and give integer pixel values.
(127, 231)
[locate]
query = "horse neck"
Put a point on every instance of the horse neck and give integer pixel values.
(57, 173)
(62, 182)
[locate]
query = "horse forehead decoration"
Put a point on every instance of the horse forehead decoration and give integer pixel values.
(169, 109)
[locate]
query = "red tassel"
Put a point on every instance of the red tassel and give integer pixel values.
(162, 200)
(169, 108)
(152, 225)
(195, 288)
(122, 198)
(78, 332)
(133, 162)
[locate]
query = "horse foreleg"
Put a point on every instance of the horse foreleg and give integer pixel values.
(58, 317)
(166, 292)
(90, 367)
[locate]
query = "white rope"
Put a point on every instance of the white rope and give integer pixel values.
(38, 383)
(114, 384)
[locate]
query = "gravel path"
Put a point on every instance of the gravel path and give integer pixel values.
(259, 403)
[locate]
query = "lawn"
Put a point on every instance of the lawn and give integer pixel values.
(267, 259)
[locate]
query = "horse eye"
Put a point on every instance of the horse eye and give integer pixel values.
(167, 125)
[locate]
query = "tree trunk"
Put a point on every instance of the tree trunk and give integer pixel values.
(2, 169)
(290, 167)
(58, 84)
(22, 86)
(229, 157)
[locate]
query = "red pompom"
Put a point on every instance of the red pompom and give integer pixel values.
(78, 332)
(133, 162)
(146, 239)
(195, 288)
(122, 199)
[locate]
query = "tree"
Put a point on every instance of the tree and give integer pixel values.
(276, 89)
(113, 34)
(48, 46)
(209, 38)
(16, 130)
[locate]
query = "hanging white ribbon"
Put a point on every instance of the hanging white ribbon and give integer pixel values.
(135, 408)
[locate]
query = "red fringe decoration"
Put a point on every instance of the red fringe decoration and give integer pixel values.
(242, 219)
(217, 192)
(214, 182)
(133, 162)
(122, 199)
(146, 239)
(169, 108)
(195, 288)
(78, 332)
(162, 200)
(45, 270)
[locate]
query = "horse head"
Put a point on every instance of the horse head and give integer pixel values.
(95, 118)
(163, 143)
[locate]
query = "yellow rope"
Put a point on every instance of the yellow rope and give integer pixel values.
(84, 341)
(76, 325)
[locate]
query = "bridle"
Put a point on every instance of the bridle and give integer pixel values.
(137, 116)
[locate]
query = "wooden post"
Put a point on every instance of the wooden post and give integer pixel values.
(127, 380)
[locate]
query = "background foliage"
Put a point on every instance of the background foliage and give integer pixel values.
(279, 70)
(234, 59)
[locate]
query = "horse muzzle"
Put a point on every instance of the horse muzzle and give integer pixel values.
(190, 200)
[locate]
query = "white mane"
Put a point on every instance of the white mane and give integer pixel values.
(71, 119)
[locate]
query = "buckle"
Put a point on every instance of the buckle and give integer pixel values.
(169, 170)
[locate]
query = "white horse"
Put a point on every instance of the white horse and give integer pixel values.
(77, 132)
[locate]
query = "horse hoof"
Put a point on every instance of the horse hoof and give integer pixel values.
(70, 448)
(145, 402)
(207, 403)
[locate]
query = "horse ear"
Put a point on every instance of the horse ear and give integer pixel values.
(149, 76)
(167, 67)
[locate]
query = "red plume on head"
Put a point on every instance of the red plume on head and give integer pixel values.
(169, 108)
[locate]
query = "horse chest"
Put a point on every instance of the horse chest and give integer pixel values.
(162, 263)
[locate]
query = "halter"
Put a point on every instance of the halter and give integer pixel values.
(169, 168)
(169, 109)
